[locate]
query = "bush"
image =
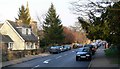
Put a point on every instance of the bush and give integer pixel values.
(112, 51)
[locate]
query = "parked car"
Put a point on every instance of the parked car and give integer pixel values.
(84, 53)
(55, 49)
(92, 47)
(77, 46)
(95, 45)
(61, 48)
(67, 47)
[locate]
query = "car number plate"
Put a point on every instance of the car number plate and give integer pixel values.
(83, 56)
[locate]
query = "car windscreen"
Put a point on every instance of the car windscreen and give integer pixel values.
(80, 49)
(85, 50)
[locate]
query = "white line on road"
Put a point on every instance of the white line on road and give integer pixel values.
(73, 51)
(37, 65)
(58, 57)
(47, 61)
(66, 54)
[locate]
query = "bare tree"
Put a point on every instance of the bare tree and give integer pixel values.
(40, 18)
(76, 27)
(84, 8)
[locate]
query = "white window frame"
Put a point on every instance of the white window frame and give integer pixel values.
(10, 45)
(23, 31)
(29, 31)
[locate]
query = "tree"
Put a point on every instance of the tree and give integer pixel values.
(94, 25)
(76, 27)
(24, 15)
(69, 36)
(113, 19)
(104, 27)
(52, 27)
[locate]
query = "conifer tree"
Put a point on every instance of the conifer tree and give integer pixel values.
(53, 30)
(24, 14)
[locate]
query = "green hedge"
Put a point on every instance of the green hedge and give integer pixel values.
(112, 51)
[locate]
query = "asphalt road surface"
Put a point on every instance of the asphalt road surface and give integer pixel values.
(64, 60)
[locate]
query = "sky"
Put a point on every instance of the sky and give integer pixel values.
(9, 9)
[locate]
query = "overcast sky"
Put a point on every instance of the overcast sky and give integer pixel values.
(9, 9)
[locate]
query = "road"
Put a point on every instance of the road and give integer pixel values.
(61, 60)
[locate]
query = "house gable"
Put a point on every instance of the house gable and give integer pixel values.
(21, 41)
(30, 37)
(4, 32)
(7, 29)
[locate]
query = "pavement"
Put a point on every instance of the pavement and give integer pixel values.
(24, 59)
(101, 61)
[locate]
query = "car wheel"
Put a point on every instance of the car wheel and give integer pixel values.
(89, 58)
(51, 53)
(93, 53)
(58, 52)
(77, 59)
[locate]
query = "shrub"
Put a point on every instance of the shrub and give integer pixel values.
(112, 51)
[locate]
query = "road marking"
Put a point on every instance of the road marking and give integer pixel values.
(37, 65)
(47, 61)
(58, 57)
(66, 54)
(73, 51)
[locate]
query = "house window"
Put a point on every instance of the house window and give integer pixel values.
(30, 45)
(10, 45)
(27, 31)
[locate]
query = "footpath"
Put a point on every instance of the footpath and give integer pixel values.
(24, 59)
(100, 61)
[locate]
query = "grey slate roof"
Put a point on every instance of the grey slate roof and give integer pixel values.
(5, 39)
(31, 38)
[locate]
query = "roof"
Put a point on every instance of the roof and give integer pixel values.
(5, 39)
(31, 38)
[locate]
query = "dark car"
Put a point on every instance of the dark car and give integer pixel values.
(54, 49)
(92, 47)
(83, 53)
